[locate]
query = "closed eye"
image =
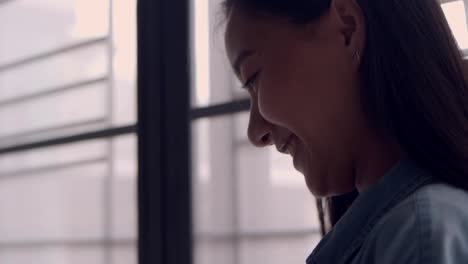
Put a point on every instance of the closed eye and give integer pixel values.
(251, 82)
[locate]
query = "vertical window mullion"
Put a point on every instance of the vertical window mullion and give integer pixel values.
(164, 129)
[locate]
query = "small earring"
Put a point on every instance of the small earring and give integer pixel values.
(357, 56)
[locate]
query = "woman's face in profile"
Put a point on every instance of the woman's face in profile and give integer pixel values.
(303, 85)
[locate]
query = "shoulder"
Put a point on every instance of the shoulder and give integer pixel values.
(430, 226)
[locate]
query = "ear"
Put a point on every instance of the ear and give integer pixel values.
(350, 22)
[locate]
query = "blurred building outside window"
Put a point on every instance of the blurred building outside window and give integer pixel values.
(67, 68)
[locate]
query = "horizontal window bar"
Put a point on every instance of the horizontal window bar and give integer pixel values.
(52, 129)
(5, 1)
(447, 1)
(67, 243)
(51, 53)
(213, 111)
(111, 132)
(52, 91)
(35, 171)
(221, 109)
(258, 234)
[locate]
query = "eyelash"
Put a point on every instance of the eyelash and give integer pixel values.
(251, 81)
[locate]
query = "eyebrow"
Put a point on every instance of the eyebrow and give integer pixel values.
(241, 58)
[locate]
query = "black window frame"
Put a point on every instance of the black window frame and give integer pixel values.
(164, 131)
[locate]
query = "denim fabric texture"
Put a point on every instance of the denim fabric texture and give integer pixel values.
(408, 217)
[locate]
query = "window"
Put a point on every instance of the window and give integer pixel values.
(455, 11)
(213, 80)
(67, 143)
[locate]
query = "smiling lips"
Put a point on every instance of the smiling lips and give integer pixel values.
(286, 147)
(289, 148)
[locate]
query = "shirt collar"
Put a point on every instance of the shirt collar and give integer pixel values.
(351, 230)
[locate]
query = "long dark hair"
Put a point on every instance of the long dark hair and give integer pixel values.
(414, 88)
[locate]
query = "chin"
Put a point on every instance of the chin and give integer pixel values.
(317, 189)
(324, 192)
(320, 189)
(319, 193)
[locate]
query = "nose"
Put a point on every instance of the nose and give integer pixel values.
(259, 130)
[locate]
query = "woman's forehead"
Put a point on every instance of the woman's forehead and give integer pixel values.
(238, 35)
(247, 31)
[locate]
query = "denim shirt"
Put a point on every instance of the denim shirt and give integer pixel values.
(407, 217)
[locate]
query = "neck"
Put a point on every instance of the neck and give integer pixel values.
(376, 159)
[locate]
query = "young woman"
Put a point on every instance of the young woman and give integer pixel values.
(369, 98)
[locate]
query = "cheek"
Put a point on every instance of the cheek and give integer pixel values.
(279, 90)
(274, 102)
(312, 94)
(305, 85)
